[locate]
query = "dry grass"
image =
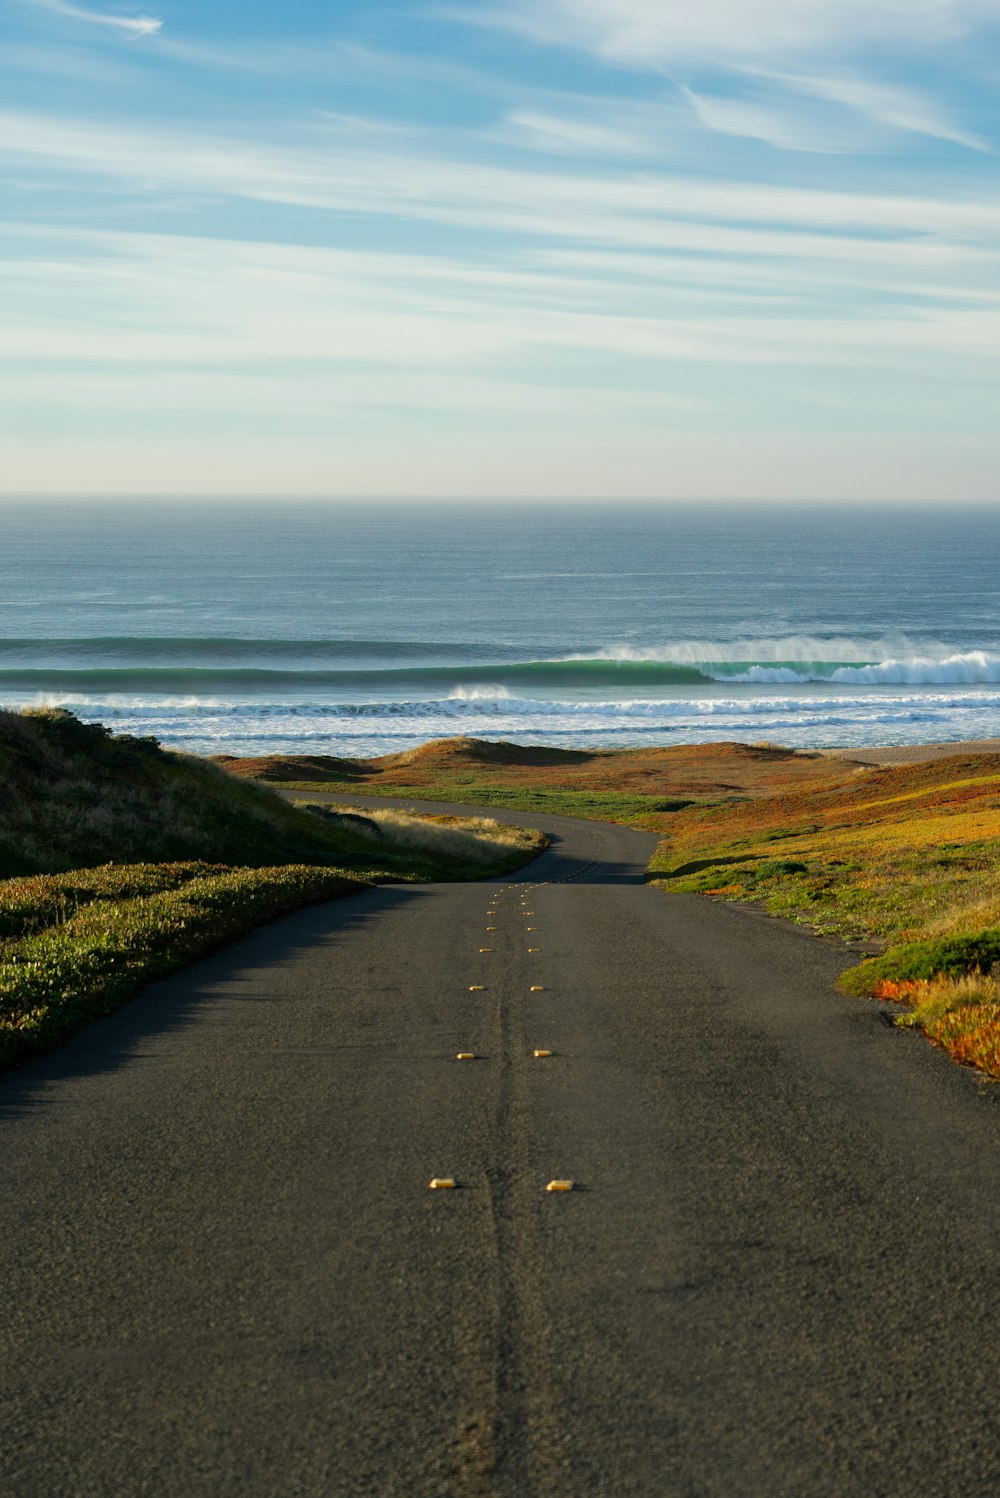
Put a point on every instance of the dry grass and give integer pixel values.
(970, 1036)
(475, 840)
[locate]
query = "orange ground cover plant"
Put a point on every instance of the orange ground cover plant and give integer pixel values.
(898, 991)
(971, 1036)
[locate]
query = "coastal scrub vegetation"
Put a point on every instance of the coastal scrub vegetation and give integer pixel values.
(902, 856)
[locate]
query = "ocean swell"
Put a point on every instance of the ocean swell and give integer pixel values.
(969, 668)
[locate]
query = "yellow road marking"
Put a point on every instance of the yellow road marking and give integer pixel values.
(466, 1056)
(536, 988)
(559, 1186)
(541, 1055)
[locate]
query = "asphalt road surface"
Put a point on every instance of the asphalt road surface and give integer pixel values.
(223, 1272)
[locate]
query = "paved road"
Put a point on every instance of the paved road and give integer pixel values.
(224, 1273)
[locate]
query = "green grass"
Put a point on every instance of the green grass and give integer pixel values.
(55, 979)
(889, 895)
(921, 961)
(597, 806)
(72, 796)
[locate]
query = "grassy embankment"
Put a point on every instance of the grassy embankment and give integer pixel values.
(190, 858)
(907, 855)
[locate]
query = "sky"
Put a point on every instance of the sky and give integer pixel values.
(591, 248)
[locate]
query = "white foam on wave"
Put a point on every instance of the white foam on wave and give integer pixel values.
(492, 701)
(798, 659)
(480, 694)
(697, 653)
(973, 668)
(968, 669)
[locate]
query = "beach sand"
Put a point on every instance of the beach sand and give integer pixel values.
(912, 754)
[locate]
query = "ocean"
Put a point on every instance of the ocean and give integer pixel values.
(366, 628)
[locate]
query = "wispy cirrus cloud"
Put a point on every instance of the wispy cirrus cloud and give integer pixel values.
(808, 112)
(775, 125)
(134, 26)
(333, 170)
(667, 32)
(900, 108)
(161, 303)
(561, 135)
(797, 51)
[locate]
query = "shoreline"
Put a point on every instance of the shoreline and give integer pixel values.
(912, 754)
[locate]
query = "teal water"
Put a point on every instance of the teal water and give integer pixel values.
(252, 627)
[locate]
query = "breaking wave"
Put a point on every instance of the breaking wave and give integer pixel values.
(351, 668)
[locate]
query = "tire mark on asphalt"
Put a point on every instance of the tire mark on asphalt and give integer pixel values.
(513, 1445)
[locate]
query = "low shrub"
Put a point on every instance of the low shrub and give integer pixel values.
(53, 981)
(960, 1015)
(950, 956)
(38, 901)
(971, 1036)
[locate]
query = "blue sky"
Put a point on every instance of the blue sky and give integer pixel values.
(526, 247)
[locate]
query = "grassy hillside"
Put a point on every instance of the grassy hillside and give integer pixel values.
(73, 796)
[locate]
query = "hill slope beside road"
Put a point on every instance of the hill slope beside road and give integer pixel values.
(226, 1274)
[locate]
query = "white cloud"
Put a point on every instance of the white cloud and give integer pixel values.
(579, 458)
(767, 38)
(559, 135)
(669, 32)
(129, 25)
(163, 302)
(614, 301)
(901, 108)
(798, 115)
(775, 126)
(600, 206)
